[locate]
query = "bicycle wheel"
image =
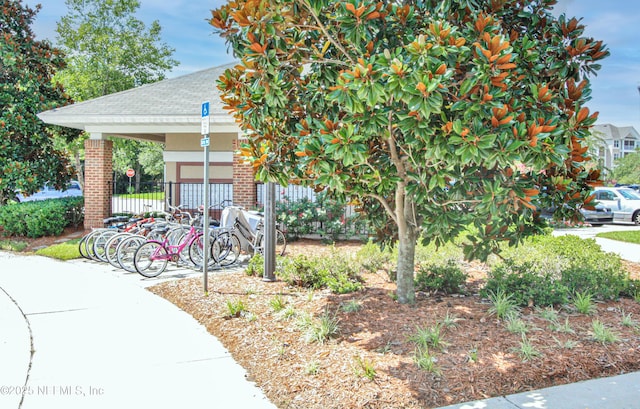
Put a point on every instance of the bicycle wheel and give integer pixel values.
(176, 236)
(88, 244)
(196, 253)
(150, 260)
(281, 243)
(82, 248)
(225, 249)
(99, 245)
(111, 248)
(126, 251)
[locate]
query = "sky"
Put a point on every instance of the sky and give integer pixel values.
(615, 90)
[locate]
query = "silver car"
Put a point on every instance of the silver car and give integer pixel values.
(73, 189)
(624, 202)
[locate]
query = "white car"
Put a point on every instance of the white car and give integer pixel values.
(49, 192)
(623, 202)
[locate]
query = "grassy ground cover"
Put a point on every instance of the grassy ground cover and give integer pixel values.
(626, 236)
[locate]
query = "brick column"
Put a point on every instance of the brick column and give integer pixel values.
(97, 181)
(244, 181)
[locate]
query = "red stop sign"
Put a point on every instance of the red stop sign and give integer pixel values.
(131, 173)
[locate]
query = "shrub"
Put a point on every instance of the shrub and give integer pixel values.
(546, 269)
(301, 271)
(255, 267)
(43, 218)
(525, 284)
(336, 272)
(298, 217)
(603, 284)
(448, 278)
(324, 216)
(440, 255)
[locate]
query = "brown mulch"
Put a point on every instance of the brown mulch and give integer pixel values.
(480, 357)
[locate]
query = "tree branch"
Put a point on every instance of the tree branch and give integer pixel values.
(384, 204)
(325, 32)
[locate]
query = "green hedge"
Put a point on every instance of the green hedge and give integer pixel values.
(547, 270)
(42, 218)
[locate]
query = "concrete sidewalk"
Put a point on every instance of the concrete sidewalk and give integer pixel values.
(617, 392)
(103, 342)
(627, 251)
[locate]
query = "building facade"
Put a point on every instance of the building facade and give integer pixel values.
(166, 112)
(612, 142)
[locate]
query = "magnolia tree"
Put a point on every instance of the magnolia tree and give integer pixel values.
(439, 116)
(28, 157)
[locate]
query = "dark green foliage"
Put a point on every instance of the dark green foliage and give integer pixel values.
(444, 113)
(604, 284)
(448, 278)
(298, 217)
(44, 218)
(255, 267)
(28, 158)
(335, 272)
(325, 217)
(632, 289)
(546, 269)
(526, 285)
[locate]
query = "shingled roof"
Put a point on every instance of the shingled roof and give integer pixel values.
(171, 105)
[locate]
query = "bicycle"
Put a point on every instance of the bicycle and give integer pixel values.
(222, 256)
(240, 236)
(151, 258)
(173, 229)
(86, 244)
(92, 245)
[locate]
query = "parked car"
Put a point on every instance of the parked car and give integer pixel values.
(623, 202)
(50, 192)
(597, 217)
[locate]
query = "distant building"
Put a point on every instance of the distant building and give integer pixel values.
(613, 142)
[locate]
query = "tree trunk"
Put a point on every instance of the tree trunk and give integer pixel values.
(79, 169)
(138, 176)
(406, 266)
(407, 236)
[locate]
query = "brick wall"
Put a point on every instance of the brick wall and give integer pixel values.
(98, 183)
(244, 186)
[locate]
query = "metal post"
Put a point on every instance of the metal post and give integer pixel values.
(269, 232)
(205, 223)
(204, 142)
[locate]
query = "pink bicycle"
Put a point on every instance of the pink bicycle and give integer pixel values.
(152, 257)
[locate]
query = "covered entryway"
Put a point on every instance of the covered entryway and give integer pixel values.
(166, 112)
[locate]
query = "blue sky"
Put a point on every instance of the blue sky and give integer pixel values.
(617, 22)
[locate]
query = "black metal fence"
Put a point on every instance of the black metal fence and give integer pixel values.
(303, 212)
(155, 196)
(298, 210)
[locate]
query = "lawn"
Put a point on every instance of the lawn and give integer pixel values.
(62, 251)
(146, 196)
(626, 236)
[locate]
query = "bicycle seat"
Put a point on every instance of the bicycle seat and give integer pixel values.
(152, 225)
(115, 219)
(161, 229)
(134, 219)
